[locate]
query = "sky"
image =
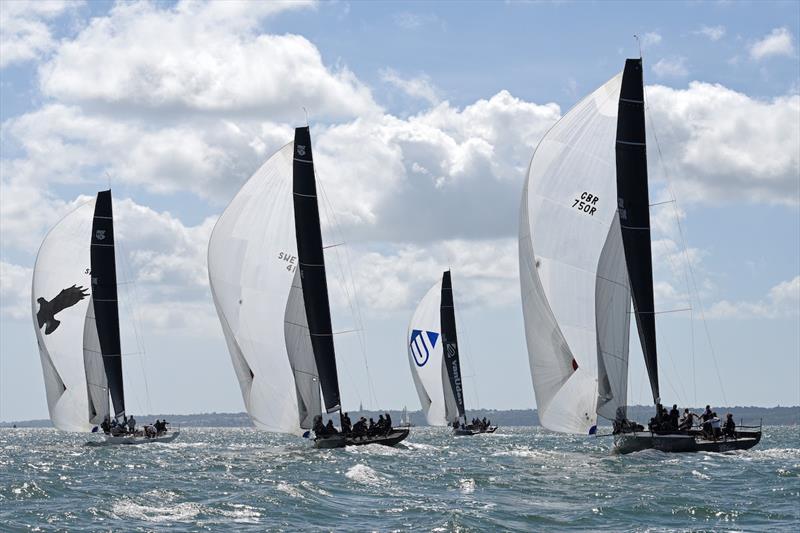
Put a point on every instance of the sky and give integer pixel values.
(424, 117)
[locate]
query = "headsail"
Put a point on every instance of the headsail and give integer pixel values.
(96, 381)
(634, 211)
(104, 298)
(60, 300)
(568, 205)
(425, 356)
(252, 269)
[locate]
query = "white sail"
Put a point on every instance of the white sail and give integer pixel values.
(60, 298)
(612, 305)
(96, 381)
(252, 260)
(568, 204)
(425, 357)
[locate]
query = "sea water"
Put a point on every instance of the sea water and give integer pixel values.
(518, 479)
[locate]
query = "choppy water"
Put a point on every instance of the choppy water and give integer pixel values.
(521, 479)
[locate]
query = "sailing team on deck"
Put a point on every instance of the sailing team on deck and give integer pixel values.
(362, 428)
(127, 427)
(667, 422)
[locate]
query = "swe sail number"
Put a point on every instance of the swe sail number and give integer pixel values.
(586, 203)
(291, 260)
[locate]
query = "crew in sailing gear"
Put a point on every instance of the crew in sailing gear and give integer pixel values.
(715, 426)
(729, 429)
(330, 429)
(388, 423)
(347, 427)
(687, 421)
(371, 427)
(105, 425)
(319, 427)
(674, 415)
(131, 424)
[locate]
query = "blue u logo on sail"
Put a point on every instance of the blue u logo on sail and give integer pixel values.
(421, 345)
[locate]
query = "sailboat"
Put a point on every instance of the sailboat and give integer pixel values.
(405, 419)
(76, 319)
(266, 267)
(434, 360)
(585, 256)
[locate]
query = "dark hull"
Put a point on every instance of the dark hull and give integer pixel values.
(340, 441)
(683, 443)
(468, 432)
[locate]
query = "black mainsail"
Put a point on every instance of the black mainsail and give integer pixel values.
(634, 211)
(104, 298)
(450, 342)
(312, 268)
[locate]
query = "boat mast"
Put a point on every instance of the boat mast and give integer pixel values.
(312, 268)
(104, 298)
(634, 211)
(450, 343)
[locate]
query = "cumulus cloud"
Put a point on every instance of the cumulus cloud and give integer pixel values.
(26, 33)
(714, 33)
(674, 67)
(486, 272)
(417, 87)
(720, 145)
(15, 290)
(779, 42)
(199, 57)
(782, 300)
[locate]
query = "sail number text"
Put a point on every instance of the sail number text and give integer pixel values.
(289, 259)
(586, 203)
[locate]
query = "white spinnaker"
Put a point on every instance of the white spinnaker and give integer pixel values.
(252, 258)
(96, 381)
(62, 264)
(612, 304)
(425, 356)
(559, 249)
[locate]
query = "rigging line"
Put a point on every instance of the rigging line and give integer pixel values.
(685, 249)
(352, 300)
(132, 305)
(682, 396)
(468, 351)
(662, 203)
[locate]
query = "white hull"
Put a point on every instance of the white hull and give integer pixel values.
(110, 440)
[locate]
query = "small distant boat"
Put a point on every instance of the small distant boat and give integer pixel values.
(405, 419)
(76, 318)
(434, 360)
(585, 256)
(266, 267)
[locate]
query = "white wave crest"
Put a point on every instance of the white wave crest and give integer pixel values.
(364, 475)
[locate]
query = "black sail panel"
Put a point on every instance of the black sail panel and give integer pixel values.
(450, 342)
(104, 298)
(312, 268)
(634, 211)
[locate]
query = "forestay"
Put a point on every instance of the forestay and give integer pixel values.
(568, 205)
(252, 266)
(60, 300)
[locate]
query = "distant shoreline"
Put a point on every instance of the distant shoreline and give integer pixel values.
(769, 416)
